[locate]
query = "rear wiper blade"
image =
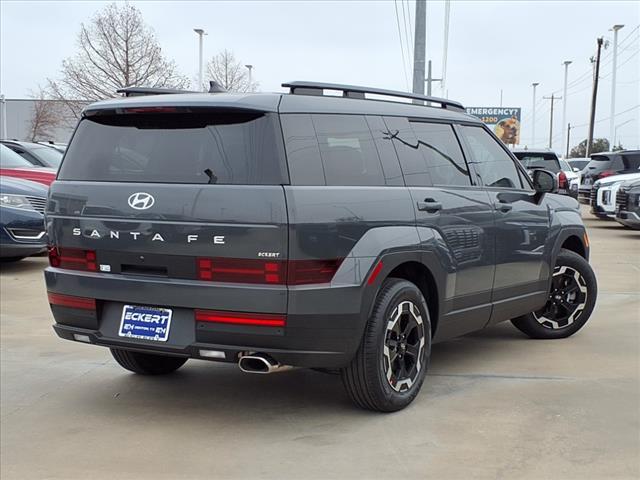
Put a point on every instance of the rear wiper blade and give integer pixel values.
(212, 176)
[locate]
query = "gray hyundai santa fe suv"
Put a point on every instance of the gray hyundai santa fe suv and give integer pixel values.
(342, 233)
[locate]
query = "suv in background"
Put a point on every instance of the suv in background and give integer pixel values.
(568, 180)
(603, 194)
(274, 230)
(604, 165)
(628, 204)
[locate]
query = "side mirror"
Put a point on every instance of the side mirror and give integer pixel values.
(576, 169)
(544, 181)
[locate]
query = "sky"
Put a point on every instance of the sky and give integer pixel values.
(493, 47)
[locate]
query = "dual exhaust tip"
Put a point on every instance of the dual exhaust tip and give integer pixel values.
(261, 364)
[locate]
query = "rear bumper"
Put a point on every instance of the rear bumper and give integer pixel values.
(323, 324)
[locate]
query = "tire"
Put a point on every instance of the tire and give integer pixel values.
(146, 363)
(570, 303)
(374, 379)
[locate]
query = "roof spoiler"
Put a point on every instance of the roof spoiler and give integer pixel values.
(354, 91)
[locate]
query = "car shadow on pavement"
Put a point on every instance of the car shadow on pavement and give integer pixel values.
(26, 265)
(217, 390)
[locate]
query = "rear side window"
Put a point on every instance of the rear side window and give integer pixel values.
(192, 147)
(10, 159)
(493, 165)
(443, 160)
(331, 150)
(348, 153)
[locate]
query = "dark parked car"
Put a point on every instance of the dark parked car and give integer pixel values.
(22, 231)
(13, 165)
(603, 165)
(532, 159)
(277, 230)
(35, 153)
(628, 204)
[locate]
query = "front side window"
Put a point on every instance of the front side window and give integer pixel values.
(443, 160)
(493, 166)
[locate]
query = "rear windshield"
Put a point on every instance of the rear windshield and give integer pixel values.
(548, 161)
(178, 147)
(600, 158)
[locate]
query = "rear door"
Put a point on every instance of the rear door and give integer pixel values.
(523, 248)
(178, 195)
(445, 199)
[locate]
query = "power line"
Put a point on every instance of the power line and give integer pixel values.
(406, 32)
(404, 64)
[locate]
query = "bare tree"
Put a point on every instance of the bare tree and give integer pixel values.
(116, 49)
(230, 73)
(46, 116)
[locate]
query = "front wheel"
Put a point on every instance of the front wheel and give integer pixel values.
(391, 363)
(147, 363)
(571, 300)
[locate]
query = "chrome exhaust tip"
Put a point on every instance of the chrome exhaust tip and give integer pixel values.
(260, 363)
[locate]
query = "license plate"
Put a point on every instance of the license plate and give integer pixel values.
(587, 181)
(146, 323)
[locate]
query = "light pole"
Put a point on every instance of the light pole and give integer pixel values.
(200, 33)
(3, 116)
(613, 80)
(566, 64)
(615, 132)
(533, 115)
(250, 67)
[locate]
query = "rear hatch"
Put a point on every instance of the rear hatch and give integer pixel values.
(175, 198)
(599, 167)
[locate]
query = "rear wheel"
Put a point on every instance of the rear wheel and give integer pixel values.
(146, 363)
(391, 363)
(571, 300)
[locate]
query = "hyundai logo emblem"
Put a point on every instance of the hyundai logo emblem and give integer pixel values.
(141, 201)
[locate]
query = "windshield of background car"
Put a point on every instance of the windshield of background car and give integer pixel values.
(47, 155)
(205, 146)
(10, 159)
(531, 161)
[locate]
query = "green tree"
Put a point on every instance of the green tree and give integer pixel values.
(599, 145)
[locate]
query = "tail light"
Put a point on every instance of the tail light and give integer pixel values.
(70, 301)
(241, 270)
(261, 319)
(562, 180)
(73, 258)
(606, 173)
(275, 272)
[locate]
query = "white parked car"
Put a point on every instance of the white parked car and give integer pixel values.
(604, 191)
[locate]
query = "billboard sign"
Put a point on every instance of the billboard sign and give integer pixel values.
(504, 121)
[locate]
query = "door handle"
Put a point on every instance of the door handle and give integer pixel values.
(429, 205)
(503, 207)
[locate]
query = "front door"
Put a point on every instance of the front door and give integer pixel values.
(521, 227)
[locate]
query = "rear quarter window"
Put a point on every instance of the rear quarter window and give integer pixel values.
(190, 147)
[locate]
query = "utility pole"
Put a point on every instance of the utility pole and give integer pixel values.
(430, 79)
(533, 115)
(420, 48)
(566, 155)
(553, 98)
(566, 64)
(445, 49)
(594, 96)
(3, 116)
(613, 82)
(200, 33)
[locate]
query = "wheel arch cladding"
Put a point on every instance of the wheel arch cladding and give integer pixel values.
(574, 243)
(418, 274)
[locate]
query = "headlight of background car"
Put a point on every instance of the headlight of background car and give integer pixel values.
(15, 201)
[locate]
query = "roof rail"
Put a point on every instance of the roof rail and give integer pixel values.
(141, 91)
(353, 91)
